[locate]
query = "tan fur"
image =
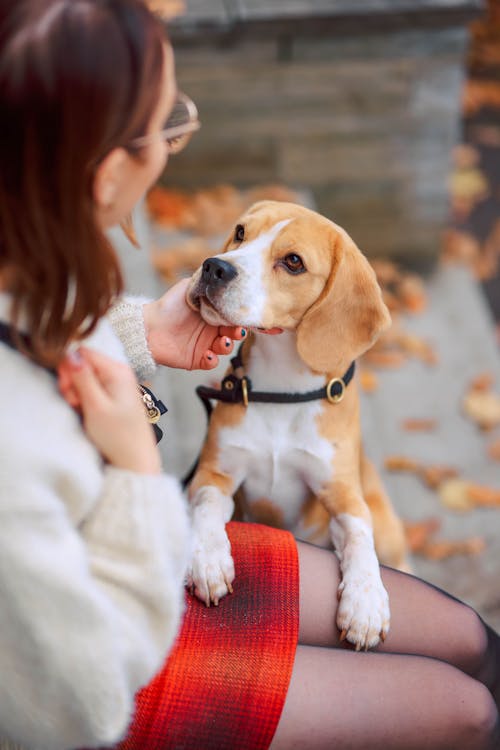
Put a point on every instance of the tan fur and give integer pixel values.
(208, 471)
(337, 311)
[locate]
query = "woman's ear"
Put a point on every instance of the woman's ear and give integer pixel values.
(107, 180)
(349, 315)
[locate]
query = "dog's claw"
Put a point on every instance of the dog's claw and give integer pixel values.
(358, 613)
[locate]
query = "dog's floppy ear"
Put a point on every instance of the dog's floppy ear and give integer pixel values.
(348, 316)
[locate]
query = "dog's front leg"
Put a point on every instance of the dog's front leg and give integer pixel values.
(363, 615)
(211, 572)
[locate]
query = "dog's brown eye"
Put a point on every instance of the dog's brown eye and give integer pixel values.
(293, 263)
(239, 233)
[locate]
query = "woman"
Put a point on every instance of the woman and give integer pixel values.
(94, 538)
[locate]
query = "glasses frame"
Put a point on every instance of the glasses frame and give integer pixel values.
(176, 136)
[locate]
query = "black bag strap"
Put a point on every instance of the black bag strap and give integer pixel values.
(153, 405)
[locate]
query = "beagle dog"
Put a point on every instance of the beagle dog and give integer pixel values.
(312, 305)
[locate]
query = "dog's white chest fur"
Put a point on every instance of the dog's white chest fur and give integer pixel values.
(277, 451)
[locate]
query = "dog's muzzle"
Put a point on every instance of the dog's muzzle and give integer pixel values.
(216, 273)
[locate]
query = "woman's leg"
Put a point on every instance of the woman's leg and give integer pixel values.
(425, 621)
(346, 700)
(401, 700)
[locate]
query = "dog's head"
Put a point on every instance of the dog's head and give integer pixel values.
(285, 266)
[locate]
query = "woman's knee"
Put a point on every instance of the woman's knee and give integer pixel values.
(479, 721)
(472, 642)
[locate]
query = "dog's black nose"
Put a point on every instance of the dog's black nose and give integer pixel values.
(217, 272)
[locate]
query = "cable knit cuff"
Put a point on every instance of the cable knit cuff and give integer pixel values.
(127, 320)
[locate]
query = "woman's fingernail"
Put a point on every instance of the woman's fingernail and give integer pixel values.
(209, 357)
(75, 359)
(243, 332)
(227, 343)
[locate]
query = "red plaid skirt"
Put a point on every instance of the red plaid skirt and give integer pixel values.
(224, 683)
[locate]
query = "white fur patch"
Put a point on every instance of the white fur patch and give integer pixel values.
(363, 612)
(211, 572)
(277, 451)
(245, 300)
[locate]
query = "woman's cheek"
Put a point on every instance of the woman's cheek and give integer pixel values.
(160, 159)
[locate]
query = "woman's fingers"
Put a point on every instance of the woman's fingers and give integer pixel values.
(233, 332)
(209, 360)
(222, 345)
(65, 382)
(224, 342)
(84, 380)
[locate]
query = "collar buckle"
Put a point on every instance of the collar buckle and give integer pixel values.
(338, 395)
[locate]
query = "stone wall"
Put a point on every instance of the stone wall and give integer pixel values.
(366, 121)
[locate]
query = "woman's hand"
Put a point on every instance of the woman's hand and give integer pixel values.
(106, 394)
(178, 337)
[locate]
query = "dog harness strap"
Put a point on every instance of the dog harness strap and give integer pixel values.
(235, 390)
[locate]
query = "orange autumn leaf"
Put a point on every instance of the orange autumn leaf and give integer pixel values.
(494, 450)
(419, 424)
(441, 549)
(401, 463)
(368, 381)
(433, 476)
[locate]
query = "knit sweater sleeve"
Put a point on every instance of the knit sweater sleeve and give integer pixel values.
(88, 614)
(127, 320)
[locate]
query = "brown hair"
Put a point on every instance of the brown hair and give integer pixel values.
(77, 79)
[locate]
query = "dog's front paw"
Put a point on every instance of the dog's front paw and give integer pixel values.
(212, 569)
(363, 615)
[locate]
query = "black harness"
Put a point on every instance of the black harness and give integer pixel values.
(154, 407)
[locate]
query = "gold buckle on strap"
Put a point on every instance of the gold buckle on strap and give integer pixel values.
(244, 390)
(335, 398)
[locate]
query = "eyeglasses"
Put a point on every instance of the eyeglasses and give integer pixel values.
(182, 122)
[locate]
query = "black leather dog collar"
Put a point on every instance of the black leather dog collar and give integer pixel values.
(238, 390)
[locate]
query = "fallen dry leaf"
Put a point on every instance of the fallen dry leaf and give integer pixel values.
(482, 382)
(419, 539)
(484, 496)
(417, 533)
(441, 549)
(483, 407)
(411, 292)
(182, 259)
(383, 359)
(433, 476)
(401, 463)
(419, 424)
(494, 450)
(418, 347)
(368, 381)
(461, 495)
(454, 494)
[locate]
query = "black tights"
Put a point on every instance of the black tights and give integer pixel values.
(428, 686)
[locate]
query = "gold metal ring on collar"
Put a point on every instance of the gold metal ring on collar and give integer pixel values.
(334, 398)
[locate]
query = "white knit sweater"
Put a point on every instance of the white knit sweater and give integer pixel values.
(92, 561)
